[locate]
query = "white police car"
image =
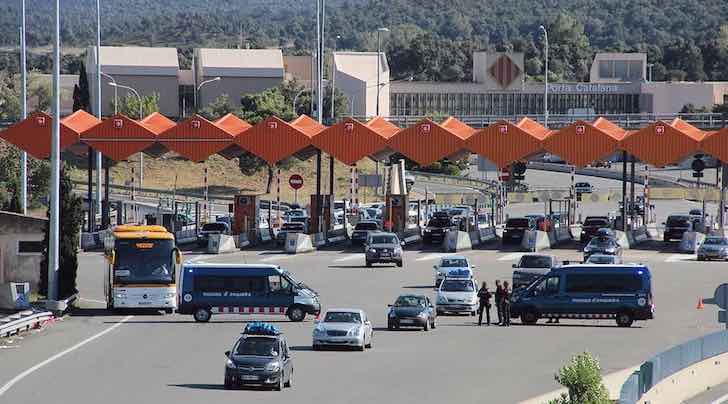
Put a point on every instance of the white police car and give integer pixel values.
(451, 265)
(457, 294)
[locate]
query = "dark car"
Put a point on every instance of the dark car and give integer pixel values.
(713, 247)
(676, 226)
(437, 229)
(583, 188)
(591, 225)
(602, 245)
(211, 228)
(290, 227)
(260, 357)
(362, 230)
(516, 228)
(383, 248)
(412, 311)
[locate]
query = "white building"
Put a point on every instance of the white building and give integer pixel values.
(356, 76)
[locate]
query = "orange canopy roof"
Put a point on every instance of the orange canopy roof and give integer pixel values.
(349, 141)
(157, 122)
(273, 139)
(582, 142)
(34, 133)
(195, 138)
(427, 142)
(662, 143)
(232, 124)
(503, 142)
(458, 128)
(382, 126)
(716, 144)
(119, 137)
(307, 125)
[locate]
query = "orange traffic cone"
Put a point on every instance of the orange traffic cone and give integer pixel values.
(700, 305)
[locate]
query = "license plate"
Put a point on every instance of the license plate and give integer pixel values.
(144, 303)
(407, 321)
(384, 255)
(249, 377)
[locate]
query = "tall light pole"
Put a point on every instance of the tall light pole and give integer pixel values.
(24, 112)
(546, 78)
(141, 116)
(197, 89)
(379, 63)
(98, 101)
(333, 78)
(116, 92)
(53, 230)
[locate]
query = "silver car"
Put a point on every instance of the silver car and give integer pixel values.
(714, 247)
(343, 327)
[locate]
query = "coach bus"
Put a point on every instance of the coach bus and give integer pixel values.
(142, 268)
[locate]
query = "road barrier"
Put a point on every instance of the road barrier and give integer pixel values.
(679, 373)
(638, 236)
(221, 243)
(457, 241)
(487, 234)
(474, 237)
(23, 321)
(412, 236)
(535, 240)
(297, 243)
(337, 236)
(242, 241)
(690, 242)
(318, 239)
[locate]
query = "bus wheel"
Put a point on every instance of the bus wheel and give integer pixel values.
(202, 315)
(296, 314)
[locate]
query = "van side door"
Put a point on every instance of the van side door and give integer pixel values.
(280, 293)
(548, 297)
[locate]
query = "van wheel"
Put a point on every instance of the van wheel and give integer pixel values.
(529, 317)
(202, 315)
(624, 319)
(296, 314)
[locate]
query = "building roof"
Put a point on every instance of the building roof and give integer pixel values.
(240, 62)
(620, 56)
(361, 65)
(136, 60)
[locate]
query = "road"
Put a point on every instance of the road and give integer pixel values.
(169, 358)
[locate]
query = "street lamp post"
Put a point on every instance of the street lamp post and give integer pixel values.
(116, 92)
(99, 207)
(197, 89)
(141, 116)
(24, 112)
(546, 78)
(379, 63)
(54, 214)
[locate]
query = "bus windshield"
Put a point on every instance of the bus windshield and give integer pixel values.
(144, 261)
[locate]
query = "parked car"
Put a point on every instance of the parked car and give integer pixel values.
(591, 225)
(531, 267)
(411, 311)
(343, 327)
(362, 230)
(676, 226)
(260, 357)
(583, 188)
(437, 229)
(457, 295)
(516, 228)
(713, 247)
(452, 265)
(211, 228)
(602, 245)
(289, 227)
(383, 248)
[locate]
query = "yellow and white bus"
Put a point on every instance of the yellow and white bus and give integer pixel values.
(142, 271)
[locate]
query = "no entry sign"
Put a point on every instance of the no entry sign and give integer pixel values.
(296, 181)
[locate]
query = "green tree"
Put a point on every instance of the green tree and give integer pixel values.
(570, 52)
(129, 105)
(583, 379)
(219, 108)
(70, 220)
(81, 94)
(257, 107)
(38, 182)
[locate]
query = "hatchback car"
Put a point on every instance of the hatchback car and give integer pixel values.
(452, 265)
(602, 245)
(713, 248)
(676, 226)
(362, 230)
(260, 357)
(411, 311)
(457, 295)
(383, 248)
(343, 327)
(515, 228)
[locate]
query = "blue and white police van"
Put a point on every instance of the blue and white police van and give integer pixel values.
(622, 292)
(206, 289)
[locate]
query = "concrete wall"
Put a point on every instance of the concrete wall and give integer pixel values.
(670, 97)
(16, 267)
(166, 86)
(234, 87)
(689, 382)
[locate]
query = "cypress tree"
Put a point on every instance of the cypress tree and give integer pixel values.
(84, 95)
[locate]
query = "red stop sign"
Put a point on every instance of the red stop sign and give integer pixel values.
(296, 181)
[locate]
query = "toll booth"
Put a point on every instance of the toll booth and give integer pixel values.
(326, 202)
(245, 215)
(396, 212)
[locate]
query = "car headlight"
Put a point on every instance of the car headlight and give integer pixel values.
(587, 249)
(273, 367)
(441, 299)
(121, 296)
(428, 230)
(397, 251)
(372, 250)
(318, 331)
(422, 315)
(354, 331)
(610, 250)
(230, 364)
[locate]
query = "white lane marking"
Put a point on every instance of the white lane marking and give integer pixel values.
(351, 257)
(429, 257)
(681, 258)
(21, 376)
(277, 257)
(511, 256)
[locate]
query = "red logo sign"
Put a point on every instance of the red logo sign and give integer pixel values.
(295, 181)
(425, 127)
(195, 124)
(580, 129)
(503, 129)
(118, 123)
(504, 71)
(349, 127)
(659, 129)
(272, 125)
(40, 121)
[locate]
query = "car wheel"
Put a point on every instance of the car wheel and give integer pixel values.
(390, 325)
(296, 314)
(529, 317)
(361, 347)
(426, 327)
(624, 319)
(289, 383)
(701, 258)
(202, 315)
(316, 347)
(369, 264)
(434, 323)
(371, 342)
(438, 312)
(228, 385)
(279, 386)
(400, 264)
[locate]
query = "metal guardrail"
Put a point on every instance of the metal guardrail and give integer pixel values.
(658, 180)
(22, 321)
(452, 180)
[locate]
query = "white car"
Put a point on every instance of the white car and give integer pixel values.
(452, 266)
(343, 327)
(457, 295)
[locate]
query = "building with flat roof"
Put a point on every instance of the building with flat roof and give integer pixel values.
(241, 71)
(147, 70)
(355, 74)
(300, 68)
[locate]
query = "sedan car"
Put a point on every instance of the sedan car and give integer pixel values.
(457, 295)
(452, 265)
(604, 259)
(714, 247)
(383, 247)
(259, 357)
(602, 245)
(411, 311)
(343, 327)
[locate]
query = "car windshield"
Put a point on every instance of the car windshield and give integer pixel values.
(454, 263)
(601, 259)
(257, 346)
(221, 227)
(595, 222)
(365, 226)
(383, 240)
(716, 241)
(696, 212)
(296, 213)
(456, 212)
(452, 285)
(535, 261)
(438, 222)
(601, 242)
(342, 317)
(144, 261)
(410, 301)
(678, 221)
(517, 223)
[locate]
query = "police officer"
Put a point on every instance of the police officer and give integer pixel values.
(506, 305)
(484, 296)
(499, 301)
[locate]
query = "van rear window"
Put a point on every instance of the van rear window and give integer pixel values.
(603, 283)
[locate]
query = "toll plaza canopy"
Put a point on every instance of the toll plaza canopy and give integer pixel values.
(273, 139)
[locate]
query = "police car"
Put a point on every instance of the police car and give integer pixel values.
(260, 357)
(452, 264)
(458, 293)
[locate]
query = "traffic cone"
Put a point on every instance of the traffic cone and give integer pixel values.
(700, 305)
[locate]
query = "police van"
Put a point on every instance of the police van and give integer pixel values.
(208, 289)
(622, 292)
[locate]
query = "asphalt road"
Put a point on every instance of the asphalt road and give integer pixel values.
(169, 358)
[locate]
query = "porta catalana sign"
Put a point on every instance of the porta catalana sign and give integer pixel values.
(585, 88)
